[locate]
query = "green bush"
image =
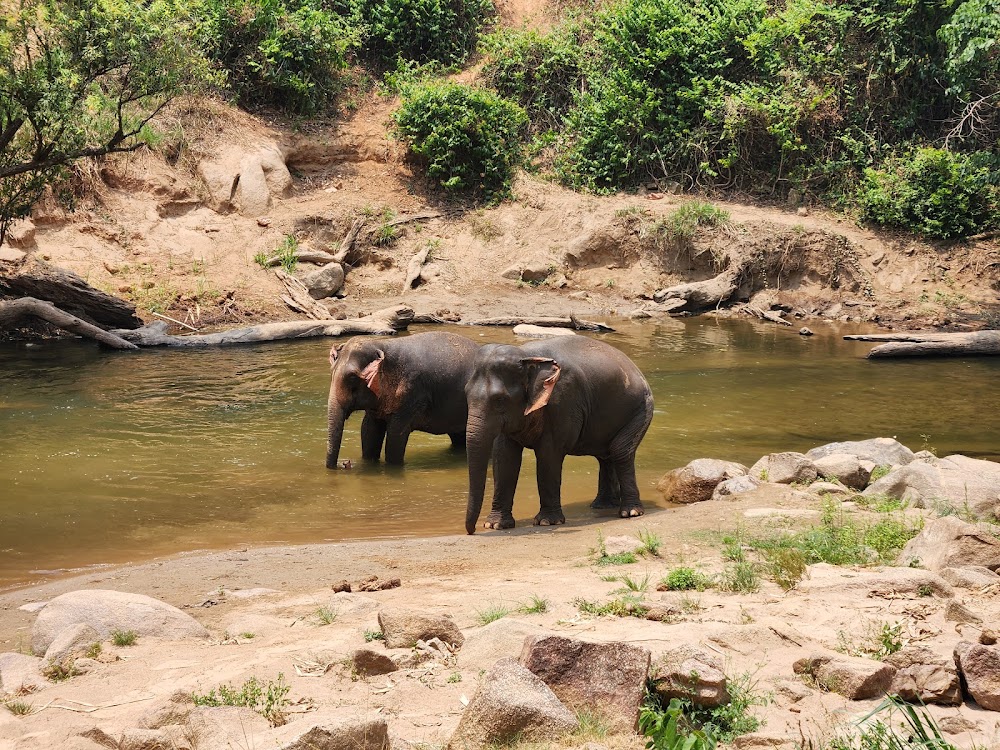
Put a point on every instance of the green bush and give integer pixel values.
(937, 192)
(539, 71)
(469, 138)
(284, 53)
(443, 31)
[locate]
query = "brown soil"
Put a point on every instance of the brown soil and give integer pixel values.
(144, 227)
(758, 635)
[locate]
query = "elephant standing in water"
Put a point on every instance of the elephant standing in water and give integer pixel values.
(410, 383)
(567, 396)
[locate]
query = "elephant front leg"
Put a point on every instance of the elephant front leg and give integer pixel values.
(397, 436)
(506, 468)
(549, 476)
(372, 435)
(608, 491)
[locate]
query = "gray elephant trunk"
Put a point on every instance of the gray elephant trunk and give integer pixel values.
(336, 416)
(479, 446)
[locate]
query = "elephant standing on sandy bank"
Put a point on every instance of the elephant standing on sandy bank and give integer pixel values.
(410, 383)
(567, 396)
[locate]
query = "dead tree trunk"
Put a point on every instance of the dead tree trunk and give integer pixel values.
(347, 244)
(971, 344)
(703, 295)
(571, 322)
(384, 323)
(15, 310)
(68, 292)
(414, 269)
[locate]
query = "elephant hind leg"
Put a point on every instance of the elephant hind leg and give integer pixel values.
(623, 449)
(609, 493)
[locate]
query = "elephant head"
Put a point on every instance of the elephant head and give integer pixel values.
(356, 381)
(507, 394)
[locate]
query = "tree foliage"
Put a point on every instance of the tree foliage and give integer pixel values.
(84, 78)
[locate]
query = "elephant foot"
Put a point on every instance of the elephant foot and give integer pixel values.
(550, 518)
(605, 503)
(499, 521)
(633, 511)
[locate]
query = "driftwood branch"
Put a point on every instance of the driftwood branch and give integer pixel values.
(772, 315)
(966, 344)
(413, 217)
(703, 295)
(381, 323)
(299, 299)
(414, 269)
(570, 322)
(319, 257)
(347, 244)
(18, 309)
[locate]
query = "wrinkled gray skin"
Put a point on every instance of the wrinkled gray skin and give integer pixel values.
(569, 396)
(402, 384)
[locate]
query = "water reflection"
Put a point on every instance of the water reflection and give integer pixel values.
(109, 457)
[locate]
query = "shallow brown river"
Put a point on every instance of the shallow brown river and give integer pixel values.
(106, 458)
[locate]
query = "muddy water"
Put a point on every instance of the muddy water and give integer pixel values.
(106, 458)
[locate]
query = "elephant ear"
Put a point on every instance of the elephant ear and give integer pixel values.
(539, 387)
(372, 371)
(335, 352)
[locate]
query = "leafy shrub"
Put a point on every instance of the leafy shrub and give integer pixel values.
(443, 31)
(468, 137)
(285, 53)
(539, 71)
(786, 566)
(740, 578)
(684, 579)
(268, 699)
(937, 192)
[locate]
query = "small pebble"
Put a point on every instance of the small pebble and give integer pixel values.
(803, 331)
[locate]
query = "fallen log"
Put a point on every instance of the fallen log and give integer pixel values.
(347, 244)
(772, 315)
(319, 257)
(299, 299)
(381, 323)
(703, 295)
(571, 322)
(15, 310)
(965, 344)
(412, 217)
(414, 269)
(68, 292)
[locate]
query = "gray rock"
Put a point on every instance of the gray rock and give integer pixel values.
(106, 611)
(21, 672)
(503, 637)
(829, 488)
(368, 662)
(325, 281)
(692, 673)
(955, 611)
(33, 606)
(695, 482)
(513, 273)
(537, 271)
(846, 468)
(403, 628)
(512, 704)
(950, 542)
(924, 677)
(956, 482)
(606, 678)
(71, 643)
(881, 451)
(21, 234)
(849, 676)
(333, 731)
(730, 488)
(980, 666)
(785, 468)
(972, 577)
(244, 178)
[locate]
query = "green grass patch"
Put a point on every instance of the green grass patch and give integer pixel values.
(740, 578)
(684, 579)
(19, 708)
(651, 543)
(374, 635)
(492, 613)
(892, 725)
(620, 558)
(269, 699)
(626, 605)
(124, 637)
(326, 615)
(536, 605)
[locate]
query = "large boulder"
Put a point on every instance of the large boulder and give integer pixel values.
(403, 628)
(880, 451)
(729, 489)
(691, 673)
(950, 542)
(924, 677)
(369, 662)
(852, 677)
(696, 481)
(785, 468)
(21, 672)
(503, 637)
(325, 281)
(971, 577)
(106, 611)
(980, 666)
(955, 481)
(333, 731)
(72, 643)
(512, 704)
(246, 179)
(846, 468)
(604, 678)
